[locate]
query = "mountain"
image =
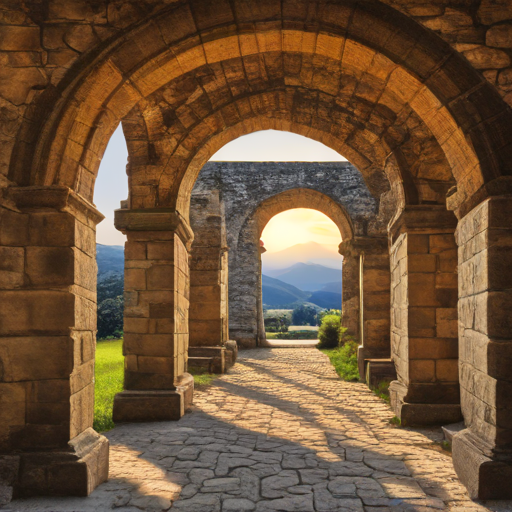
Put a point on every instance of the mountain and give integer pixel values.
(310, 252)
(307, 276)
(278, 293)
(328, 300)
(334, 287)
(110, 259)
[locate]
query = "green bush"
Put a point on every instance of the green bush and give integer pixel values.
(326, 312)
(329, 332)
(304, 315)
(293, 335)
(344, 360)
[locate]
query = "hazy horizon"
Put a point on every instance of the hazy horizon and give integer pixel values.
(269, 145)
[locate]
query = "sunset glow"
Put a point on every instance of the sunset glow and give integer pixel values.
(298, 226)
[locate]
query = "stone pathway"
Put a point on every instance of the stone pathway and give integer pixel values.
(279, 433)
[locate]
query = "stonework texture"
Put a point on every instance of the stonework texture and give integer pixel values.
(245, 196)
(415, 94)
(280, 432)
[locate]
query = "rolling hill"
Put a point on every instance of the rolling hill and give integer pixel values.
(110, 259)
(310, 252)
(307, 276)
(278, 293)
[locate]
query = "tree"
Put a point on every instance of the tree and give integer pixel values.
(304, 315)
(329, 332)
(110, 317)
(325, 312)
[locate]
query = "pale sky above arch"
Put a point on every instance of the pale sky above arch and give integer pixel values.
(286, 229)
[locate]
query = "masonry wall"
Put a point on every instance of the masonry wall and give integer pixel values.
(241, 188)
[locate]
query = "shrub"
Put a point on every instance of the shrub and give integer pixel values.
(329, 332)
(344, 360)
(304, 315)
(326, 312)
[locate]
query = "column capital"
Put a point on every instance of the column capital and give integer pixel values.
(55, 197)
(428, 218)
(462, 206)
(154, 219)
(363, 245)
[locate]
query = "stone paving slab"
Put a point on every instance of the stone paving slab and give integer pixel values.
(278, 433)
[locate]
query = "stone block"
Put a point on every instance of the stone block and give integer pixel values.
(161, 250)
(76, 471)
(417, 415)
(422, 290)
(447, 370)
(36, 311)
(433, 348)
(161, 277)
(135, 250)
(52, 229)
(483, 477)
(135, 279)
(149, 364)
(36, 358)
(422, 370)
(13, 228)
(51, 266)
(446, 322)
(155, 345)
(422, 322)
(134, 406)
(417, 244)
(422, 263)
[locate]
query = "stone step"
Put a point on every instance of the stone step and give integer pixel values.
(450, 430)
(379, 370)
(206, 363)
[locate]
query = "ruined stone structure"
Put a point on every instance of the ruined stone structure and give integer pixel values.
(415, 94)
(239, 198)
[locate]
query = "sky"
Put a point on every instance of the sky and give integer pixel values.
(301, 225)
(298, 226)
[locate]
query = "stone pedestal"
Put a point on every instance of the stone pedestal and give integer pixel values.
(482, 454)
(47, 344)
(424, 316)
(156, 306)
(366, 292)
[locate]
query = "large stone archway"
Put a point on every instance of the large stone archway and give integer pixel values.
(375, 82)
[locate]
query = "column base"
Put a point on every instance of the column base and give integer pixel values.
(75, 471)
(159, 405)
(419, 415)
(220, 359)
(484, 478)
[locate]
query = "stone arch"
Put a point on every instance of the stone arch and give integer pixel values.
(305, 198)
(420, 70)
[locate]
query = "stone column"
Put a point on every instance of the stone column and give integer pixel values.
(157, 385)
(350, 300)
(262, 334)
(366, 289)
(424, 316)
(47, 344)
(482, 453)
(209, 319)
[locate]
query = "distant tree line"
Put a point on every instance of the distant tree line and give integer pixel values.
(110, 306)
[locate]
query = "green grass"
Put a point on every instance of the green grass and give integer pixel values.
(202, 379)
(109, 381)
(344, 360)
(382, 390)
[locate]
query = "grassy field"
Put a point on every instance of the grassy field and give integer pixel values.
(344, 360)
(109, 381)
(303, 328)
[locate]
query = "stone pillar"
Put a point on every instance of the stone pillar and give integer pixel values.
(47, 344)
(157, 385)
(424, 316)
(262, 334)
(482, 453)
(209, 320)
(350, 287)
(366, 292)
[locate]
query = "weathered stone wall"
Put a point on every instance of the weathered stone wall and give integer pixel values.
(243, 188)
(424, 316)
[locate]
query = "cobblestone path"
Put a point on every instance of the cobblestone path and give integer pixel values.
(280, 432)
